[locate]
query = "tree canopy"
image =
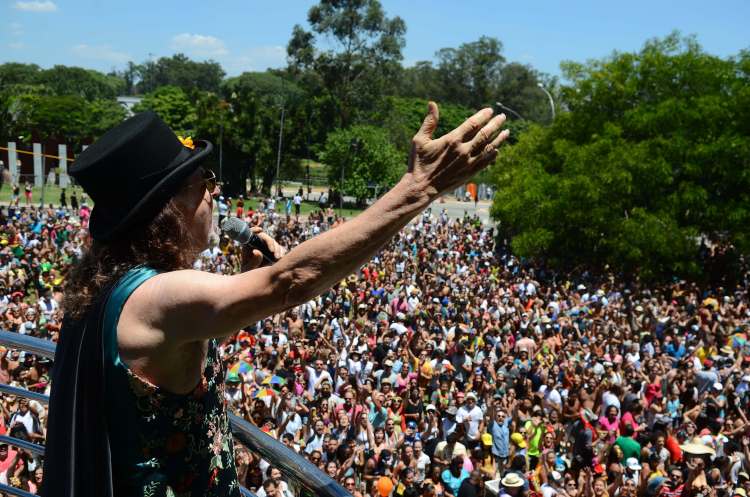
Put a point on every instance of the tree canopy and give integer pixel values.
(651, 156)
(366, 160)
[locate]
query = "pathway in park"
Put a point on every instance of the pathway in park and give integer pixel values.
(455, 208)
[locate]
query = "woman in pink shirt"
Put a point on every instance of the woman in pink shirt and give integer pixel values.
(610, 423)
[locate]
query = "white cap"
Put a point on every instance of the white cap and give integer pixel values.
(633, 464)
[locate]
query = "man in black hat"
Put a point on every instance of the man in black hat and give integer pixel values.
(137, 405)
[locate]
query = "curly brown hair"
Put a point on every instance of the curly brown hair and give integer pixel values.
(160, 245)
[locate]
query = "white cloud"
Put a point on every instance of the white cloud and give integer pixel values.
(199, 45)
(16, 45)
(36, 6)
(256, 59)
(100, 52)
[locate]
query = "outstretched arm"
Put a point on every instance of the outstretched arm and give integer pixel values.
(180, 307)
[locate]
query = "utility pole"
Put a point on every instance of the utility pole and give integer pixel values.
(221, 147)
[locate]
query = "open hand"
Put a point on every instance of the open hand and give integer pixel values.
(441, 164)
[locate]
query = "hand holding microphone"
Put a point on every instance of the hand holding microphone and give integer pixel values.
(259, 249)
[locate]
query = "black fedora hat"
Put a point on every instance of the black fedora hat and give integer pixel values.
(132, 171)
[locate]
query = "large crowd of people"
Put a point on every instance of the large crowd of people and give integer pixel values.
(445, 367)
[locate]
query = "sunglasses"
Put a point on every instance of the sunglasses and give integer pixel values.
(209, 181)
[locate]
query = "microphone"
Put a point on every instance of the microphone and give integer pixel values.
(239, 231)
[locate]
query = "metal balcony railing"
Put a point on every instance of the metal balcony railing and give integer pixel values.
(306, 478)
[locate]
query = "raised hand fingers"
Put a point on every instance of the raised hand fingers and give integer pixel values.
(429, 125)
(471, 126)
(485, 135)
(488, 153)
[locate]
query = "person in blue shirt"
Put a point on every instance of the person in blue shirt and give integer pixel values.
(500, 429)
(454, 476)
(675, 349)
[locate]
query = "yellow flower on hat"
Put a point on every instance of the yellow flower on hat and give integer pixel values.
(187, 141)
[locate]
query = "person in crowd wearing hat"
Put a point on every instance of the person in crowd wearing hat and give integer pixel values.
(157, 320)
(487, 465)
(470, 415)
(512, 485)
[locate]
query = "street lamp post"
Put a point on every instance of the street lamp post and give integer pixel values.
(551, 101)
(501, 105)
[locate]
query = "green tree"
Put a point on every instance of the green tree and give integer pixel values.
(653, 154)
(86, 83)
(178, 70)
(518, 88)
(173, 105)
(359, 59)
(401, 117)
(256, 103)
(476, 75)
(471, 72)
(15, 73)
(43, 117)
(422, 81)
(102, 115)
(366, 157)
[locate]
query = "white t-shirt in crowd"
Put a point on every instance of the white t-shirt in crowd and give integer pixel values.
(473, 416)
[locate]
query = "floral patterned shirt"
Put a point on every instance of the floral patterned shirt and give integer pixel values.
(165, 444)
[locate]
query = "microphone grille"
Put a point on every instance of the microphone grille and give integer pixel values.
(233, 227)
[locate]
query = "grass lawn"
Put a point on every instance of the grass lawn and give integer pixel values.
(307, 208)
(51, 194)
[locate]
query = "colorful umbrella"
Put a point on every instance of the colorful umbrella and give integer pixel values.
(274, 380)
(263, 393)
(241, 367)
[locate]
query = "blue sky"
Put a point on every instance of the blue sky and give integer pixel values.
(252, 34)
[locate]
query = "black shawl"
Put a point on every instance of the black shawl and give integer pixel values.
(77, 460)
